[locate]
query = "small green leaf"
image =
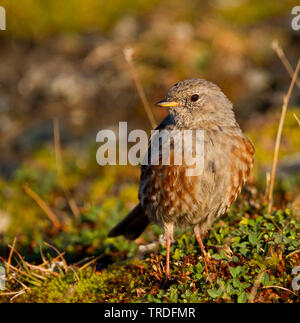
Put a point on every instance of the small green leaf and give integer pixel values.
(265, 279)
(242, 298)
(176, 254)
(213, 292)
(235, 271)
(252, 238)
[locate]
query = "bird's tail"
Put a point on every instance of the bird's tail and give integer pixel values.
(132, 225)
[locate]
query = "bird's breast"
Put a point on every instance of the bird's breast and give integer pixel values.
(168, 194)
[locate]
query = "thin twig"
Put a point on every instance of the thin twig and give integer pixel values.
(42, 256)
(25, 264)
(43, 270)
(19, 255)
(76, 275)
(128, 54)
(18, 294)
(90, 262)
(83, 260)
(279, 51)
(53, 260)
(22, 284)
(279, 287)
(9, 293)
(43, 205)
(60, 169)
(11, 253)
(293, 253)
(278, 138)
(60, 255)
(295, 116)
(25, 273)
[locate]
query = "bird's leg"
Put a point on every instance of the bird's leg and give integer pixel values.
(168, 235)
(205, 254)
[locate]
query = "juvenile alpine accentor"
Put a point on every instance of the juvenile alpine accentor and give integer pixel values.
(167, 195)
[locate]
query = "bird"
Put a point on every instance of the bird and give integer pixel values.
(170, 198)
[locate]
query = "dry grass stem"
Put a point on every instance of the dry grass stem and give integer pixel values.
(279, 51)
(18, 294)
(42, 256)
(48, 262)
(90, 262)
(43, 270)
(128, 54)
(20, 271)
(278, 137)
(43, 205)
(60, 256)
(11, 253)
(293, 253)
(280, 287)
(295, 116)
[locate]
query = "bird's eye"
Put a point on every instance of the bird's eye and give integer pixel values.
(194, 97)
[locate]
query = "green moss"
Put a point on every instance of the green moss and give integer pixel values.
(257, 242)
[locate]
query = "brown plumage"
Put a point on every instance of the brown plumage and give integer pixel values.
(167, 195)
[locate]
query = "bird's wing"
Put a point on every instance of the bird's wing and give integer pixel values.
(167, 123)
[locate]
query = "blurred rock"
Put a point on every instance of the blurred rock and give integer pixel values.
(126, 29)
(257, 79)
(4, 222)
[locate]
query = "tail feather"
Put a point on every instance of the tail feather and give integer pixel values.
(132, 226)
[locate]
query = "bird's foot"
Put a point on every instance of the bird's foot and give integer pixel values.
(227, 250)
(208, 269)
(207, 262)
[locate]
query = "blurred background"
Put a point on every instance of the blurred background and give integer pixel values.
(63, 61)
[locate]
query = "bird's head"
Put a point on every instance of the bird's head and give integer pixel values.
(194, 100)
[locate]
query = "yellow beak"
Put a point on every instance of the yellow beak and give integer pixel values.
(167, 104)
